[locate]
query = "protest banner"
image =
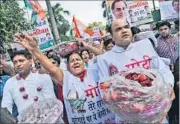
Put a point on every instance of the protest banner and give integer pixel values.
(138, 12)
(97, 33)
(169, 9)
(41, 30)
(43, 34)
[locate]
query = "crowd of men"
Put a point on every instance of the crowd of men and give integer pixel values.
(74, 79)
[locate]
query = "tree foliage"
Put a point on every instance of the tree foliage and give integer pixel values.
(11, 20)
(104, 8)
(62, 24)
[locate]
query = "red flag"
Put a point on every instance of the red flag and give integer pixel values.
(75, 29)
(101, 33)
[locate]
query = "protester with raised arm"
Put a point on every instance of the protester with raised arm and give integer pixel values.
(82, 98)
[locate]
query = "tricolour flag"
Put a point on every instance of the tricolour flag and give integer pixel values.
(34, 5)
(81, 30)
(27, 4)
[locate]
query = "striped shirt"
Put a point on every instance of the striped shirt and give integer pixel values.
(168, 47)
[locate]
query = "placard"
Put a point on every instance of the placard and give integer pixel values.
(169, 9)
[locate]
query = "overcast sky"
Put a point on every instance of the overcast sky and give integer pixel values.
(86, 11)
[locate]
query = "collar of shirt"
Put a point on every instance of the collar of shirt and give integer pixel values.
(165, 38)
(27, 78)
(119, 49)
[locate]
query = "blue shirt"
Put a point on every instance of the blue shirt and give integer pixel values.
(3, 80)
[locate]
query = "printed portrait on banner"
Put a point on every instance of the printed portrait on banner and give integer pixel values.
(169, 9)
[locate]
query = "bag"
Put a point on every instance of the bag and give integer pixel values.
(44, 111)
(137, 96)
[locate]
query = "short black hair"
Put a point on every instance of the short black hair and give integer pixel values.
(174, 2)
(56, 58)
(176, 22)
(130, 10)
(160, 24)
(49, 51)
(135, 30)
(107, 42)
(83, 51)
(69, 55)
(47, 34)
(157, 35)
(115, 1)
(25, 53)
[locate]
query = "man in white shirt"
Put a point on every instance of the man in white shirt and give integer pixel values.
(25, 87)
(127, 55)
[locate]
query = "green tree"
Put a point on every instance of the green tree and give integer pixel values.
(51, 19)
(63, 25)
(103, 5)
(11, 20)
(107, 14)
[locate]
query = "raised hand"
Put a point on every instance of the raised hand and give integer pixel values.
(83, 43)
(27, 41)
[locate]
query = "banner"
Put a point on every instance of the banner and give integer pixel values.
(169, 9)
(42, 33)
(136, 12)
(41, 30)
(34, 5)
(97, 33)
(139, 12)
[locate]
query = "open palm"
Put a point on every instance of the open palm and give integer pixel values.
(27, 41)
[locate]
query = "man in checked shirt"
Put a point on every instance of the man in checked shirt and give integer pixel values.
(167, 43)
